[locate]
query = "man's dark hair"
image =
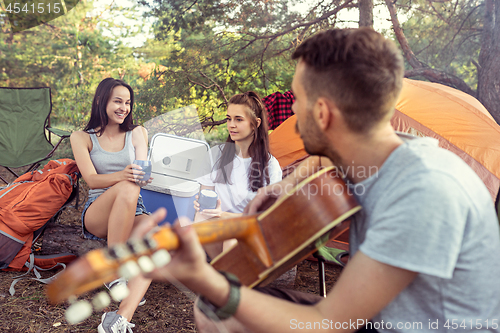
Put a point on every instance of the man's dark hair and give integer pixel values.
(360, 70)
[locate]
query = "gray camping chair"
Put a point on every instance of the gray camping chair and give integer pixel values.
(25, 128)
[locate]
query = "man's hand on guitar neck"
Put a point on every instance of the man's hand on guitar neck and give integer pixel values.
(264, 195)
(364, 288)
(188, 264)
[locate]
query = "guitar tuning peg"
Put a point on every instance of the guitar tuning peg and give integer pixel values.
(119, 292)
(146, 264)
(101, 300)
(137, 245)
(160, 258)
(78, 312)
(129, 269)
(120, 251)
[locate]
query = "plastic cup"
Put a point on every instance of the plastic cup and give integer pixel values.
(207, 199)
(146, 167)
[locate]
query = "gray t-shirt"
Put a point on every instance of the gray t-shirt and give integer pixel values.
(426, 211)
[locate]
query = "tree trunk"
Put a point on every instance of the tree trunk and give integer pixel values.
(488, 87)
(365, 13)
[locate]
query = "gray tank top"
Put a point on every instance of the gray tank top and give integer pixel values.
(108, 162)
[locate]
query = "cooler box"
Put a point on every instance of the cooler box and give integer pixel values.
(175, 163)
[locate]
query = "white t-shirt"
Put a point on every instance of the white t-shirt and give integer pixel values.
(236, 195)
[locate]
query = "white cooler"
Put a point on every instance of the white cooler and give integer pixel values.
(175, 164)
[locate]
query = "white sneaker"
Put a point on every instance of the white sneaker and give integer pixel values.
(118, 282)
(111, 322)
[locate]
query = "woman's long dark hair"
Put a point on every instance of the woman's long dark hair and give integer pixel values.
(258, 150)
(98, 115)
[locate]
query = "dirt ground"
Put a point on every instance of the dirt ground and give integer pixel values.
(167, 309)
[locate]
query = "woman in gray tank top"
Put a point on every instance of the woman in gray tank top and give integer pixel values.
(104, 152)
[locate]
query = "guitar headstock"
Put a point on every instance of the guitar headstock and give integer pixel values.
(100, 266)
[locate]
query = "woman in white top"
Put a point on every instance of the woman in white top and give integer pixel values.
(243, 164)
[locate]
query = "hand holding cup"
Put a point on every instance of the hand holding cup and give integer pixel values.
(145, 177)
(207, 199)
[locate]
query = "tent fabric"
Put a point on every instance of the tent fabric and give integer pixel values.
(285, 144)
(458, 120)
(402, 121)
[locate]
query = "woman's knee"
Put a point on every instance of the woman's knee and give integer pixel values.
(127, 192)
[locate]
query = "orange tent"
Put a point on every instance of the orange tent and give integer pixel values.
(460, 123)
(285, 144)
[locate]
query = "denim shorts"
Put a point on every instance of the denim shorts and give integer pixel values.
(139, 210)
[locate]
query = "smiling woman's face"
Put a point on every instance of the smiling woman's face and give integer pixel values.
(118, 106)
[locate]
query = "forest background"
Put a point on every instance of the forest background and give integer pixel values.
(200, 52)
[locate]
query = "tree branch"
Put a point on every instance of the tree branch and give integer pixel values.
(438, 14)
(438, 76)
(255, 38)
(262, 63)
(408, 53)
(208, 121)
(459, 29)
(347, 4)
(212, 123)
(218, 87)
(210, 86)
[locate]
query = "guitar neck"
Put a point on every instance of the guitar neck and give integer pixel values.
(210, 232)
(102, 265)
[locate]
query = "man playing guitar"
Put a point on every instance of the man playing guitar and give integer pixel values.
(425, 248)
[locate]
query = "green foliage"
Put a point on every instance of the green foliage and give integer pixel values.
(208, 50)
(205, 51)
(445, 35)
(71, 55)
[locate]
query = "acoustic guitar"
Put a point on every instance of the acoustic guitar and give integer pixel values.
(269, 243)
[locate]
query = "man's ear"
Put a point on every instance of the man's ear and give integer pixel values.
(323, 113)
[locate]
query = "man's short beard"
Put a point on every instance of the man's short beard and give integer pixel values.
(323, 148)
